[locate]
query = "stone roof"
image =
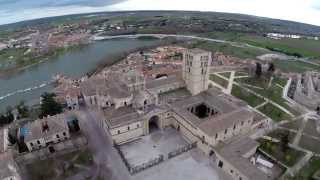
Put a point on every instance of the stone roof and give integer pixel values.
(67, 89)
(90, 86)
(230, 111)
(106, 87)
(121, 116)
(236, 153)
(213, 125)
(213, 98)
(55, 123)
(8, 167)
(156, 84)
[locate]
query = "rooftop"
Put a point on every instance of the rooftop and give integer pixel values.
(236, 154)
(155, 84)
(55, 124)
(215, 124)
(228, 107)
(121, 116)
(111, 86)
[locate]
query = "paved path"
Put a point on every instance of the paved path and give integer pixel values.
(231, 79)
(265, 98)
(239, 77)
(299, 133)
(235, 44)
(262, 104)
(105, 156)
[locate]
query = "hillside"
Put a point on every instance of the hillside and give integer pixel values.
(181, 20)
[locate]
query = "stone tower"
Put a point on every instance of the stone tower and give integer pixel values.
(195, 70)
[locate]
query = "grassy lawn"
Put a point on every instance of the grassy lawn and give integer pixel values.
(218, 80)
(59, 167)
(274, 113)
(278, 133)
(225, 74)
(289, 157)
(294, 66)
(281, 81)
(273, 92)
(304, 47)
(310, 143)
(308, 170)
(311, 128)
(241, 73)
(227, 49)
(243, 94)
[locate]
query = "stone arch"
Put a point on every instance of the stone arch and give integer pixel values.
(154, 124)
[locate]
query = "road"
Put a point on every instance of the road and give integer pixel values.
(110, 165)
(235, 44)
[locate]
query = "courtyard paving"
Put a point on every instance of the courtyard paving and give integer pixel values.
(151, 146)
(191, 165)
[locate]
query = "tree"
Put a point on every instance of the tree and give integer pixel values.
(23, 110)
(9, 115)
(49, 106)
(258, 70)
(284, 141)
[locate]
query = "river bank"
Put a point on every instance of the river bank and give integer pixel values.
(28, 84)
(40, 59)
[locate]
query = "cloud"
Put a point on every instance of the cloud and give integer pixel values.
(316, 4)
(295, 10)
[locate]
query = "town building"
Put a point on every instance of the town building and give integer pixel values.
(45, 132)
(135, 104)
(195, 70)
(205, 116)
(237, 159)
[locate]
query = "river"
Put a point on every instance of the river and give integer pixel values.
(30, 83)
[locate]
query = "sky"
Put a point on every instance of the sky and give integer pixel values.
(307, 11)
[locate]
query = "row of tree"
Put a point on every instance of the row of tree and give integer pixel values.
(49, 106)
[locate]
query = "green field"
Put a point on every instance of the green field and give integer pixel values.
(274, 113)
(225, 74)
(274, 92)
(304, 47)
(219, 80)
(227, 49)
(246, 96)
(308, 170)
(295, 66)
(289, 158)
(241, 73)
